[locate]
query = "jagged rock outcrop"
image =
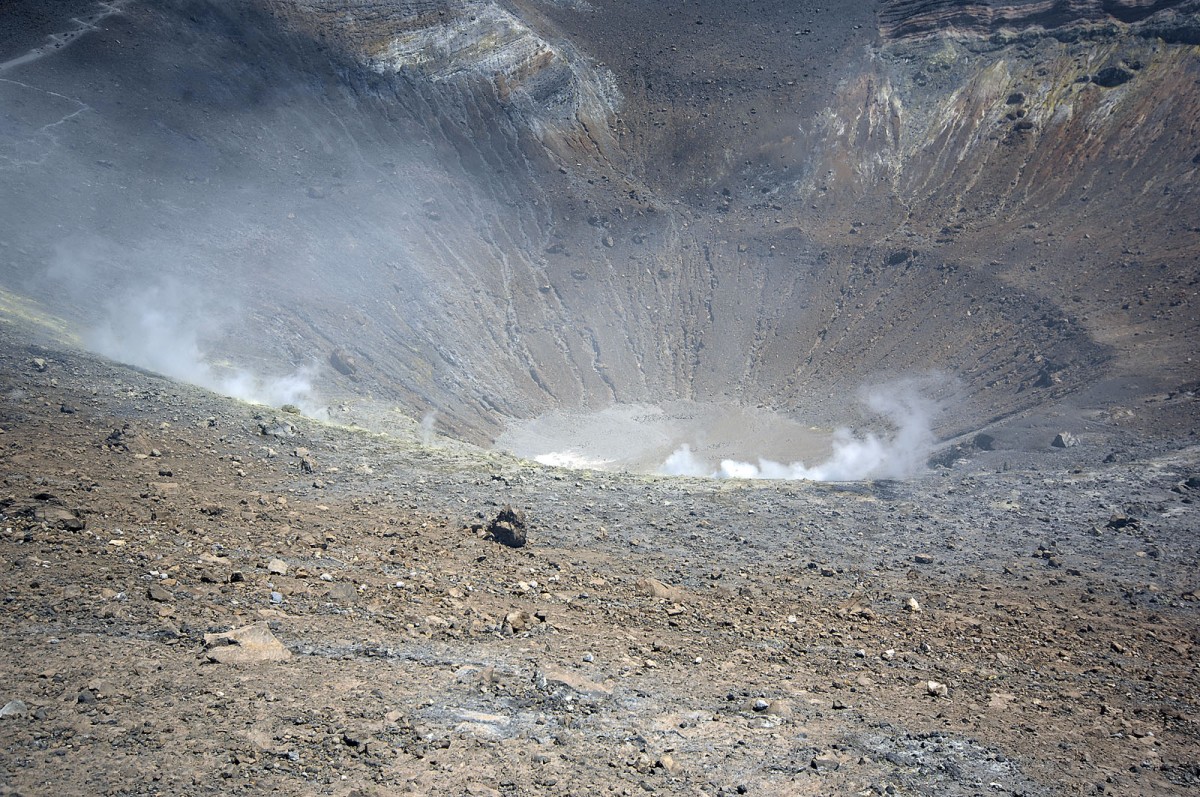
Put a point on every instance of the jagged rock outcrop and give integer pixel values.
(468, 41)
(1004, 20)
(1049, 163)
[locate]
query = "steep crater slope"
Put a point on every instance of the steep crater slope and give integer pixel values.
(494, 210)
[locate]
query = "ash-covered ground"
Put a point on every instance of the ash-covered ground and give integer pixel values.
(1023, 621)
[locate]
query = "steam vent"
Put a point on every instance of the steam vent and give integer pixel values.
(840, 360)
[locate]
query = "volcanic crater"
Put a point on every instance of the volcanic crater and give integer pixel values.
(299, 297)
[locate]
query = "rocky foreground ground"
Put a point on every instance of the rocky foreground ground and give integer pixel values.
(202, 596)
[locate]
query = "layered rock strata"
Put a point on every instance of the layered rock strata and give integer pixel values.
(1004, 20)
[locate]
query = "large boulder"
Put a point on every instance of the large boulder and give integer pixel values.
(509, 527)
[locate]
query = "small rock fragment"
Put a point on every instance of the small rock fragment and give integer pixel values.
(277, 567)
(657, 589)
(825, 764)
(518, 621)
(936, 688)
(157, 593)
(1120, 520)
(14, 708)
(277, 428)
(342, 591)
(251, 644)
(912, 605)
(1064, 440)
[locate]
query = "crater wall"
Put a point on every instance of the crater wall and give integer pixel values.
(493, 210)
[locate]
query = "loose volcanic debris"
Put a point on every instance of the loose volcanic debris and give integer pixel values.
(679, 635)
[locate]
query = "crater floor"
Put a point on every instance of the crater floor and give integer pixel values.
(641, 439)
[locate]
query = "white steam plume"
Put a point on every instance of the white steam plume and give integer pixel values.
(160, 328)
(428, 433)
(900, 455)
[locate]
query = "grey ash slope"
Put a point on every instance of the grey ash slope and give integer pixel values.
(498, 210)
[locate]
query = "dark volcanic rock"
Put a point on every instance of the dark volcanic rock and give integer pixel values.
(1112, 77)
(509, 527)
(343, 362)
